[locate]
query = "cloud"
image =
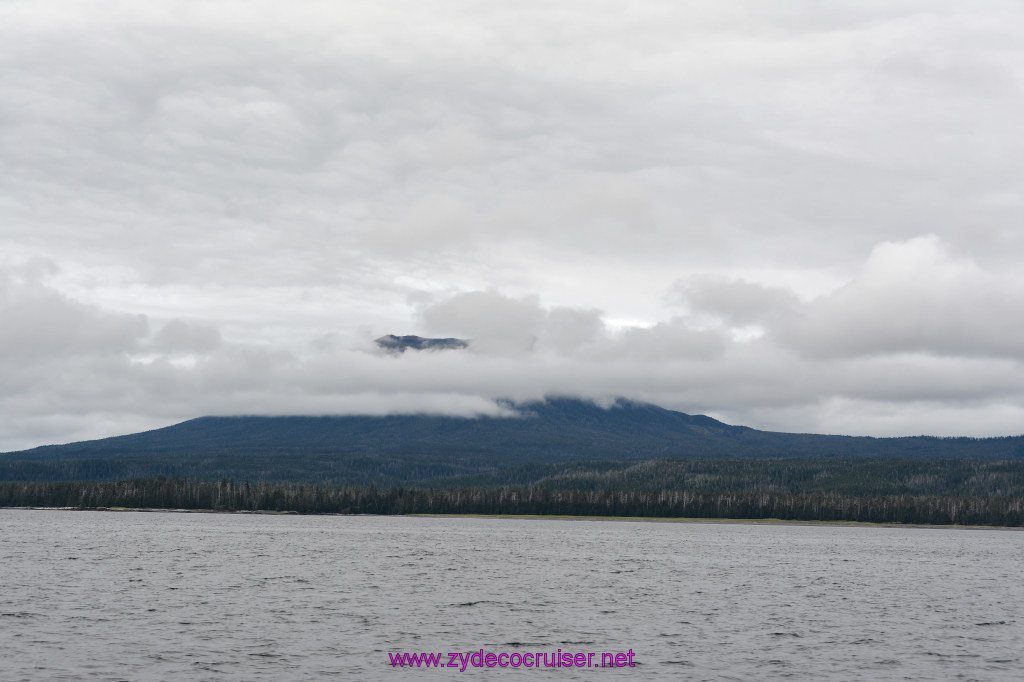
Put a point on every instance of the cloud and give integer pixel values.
(572, 330)
(326, 136)
(178, 336)
(737, 302)
(493, 322)
(500, 325)
(665, 341)
(914, 297)
(39, 322)
(719, 209)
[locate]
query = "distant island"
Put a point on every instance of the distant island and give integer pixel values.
(556, 456)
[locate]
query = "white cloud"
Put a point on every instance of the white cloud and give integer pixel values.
(915, 296)
(39, 322)
(735, 301)
(495, 323)
(178, 336)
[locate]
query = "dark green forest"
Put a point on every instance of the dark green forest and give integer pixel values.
(853, 476)
(226, 495)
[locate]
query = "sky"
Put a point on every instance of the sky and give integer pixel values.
(795, 216)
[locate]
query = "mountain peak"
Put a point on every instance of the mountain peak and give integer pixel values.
(400, 344)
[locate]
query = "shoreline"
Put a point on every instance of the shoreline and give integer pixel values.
(743, 522)
(543, 517)
(173, 510)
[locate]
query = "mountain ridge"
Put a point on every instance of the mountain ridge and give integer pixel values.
(421, 447)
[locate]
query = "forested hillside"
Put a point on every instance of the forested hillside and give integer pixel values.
(561, 456)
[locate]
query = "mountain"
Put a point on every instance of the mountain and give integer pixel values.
(400, 344)
(403, 449)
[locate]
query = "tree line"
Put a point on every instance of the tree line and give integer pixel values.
(227, 495)
(851, 476)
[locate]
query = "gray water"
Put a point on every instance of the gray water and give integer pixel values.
(170, 596)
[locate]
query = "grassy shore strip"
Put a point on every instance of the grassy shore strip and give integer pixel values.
(172, 510)
(536, 517)
(753, 522)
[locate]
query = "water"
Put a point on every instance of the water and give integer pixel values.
(165, 596)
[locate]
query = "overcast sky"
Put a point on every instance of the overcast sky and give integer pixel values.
(800, 216)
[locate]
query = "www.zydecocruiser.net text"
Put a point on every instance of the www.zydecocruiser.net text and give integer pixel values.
(462, 660)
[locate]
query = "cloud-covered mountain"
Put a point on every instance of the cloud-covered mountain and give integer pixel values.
(404, 448)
